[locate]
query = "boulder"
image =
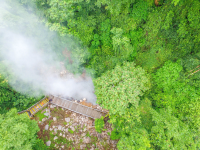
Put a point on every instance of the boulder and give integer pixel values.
(67, 119)
(46, 127)
(44, 119)
(59, 127)
(72, 128)
(48, 143)
(86, 140)
(54, 118)
(46, 114)
(55, 138)
(82, 146)
(62, 146)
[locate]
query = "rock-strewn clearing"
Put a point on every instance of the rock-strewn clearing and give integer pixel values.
(66, 130)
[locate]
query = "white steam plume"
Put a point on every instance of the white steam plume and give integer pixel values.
(27, 49)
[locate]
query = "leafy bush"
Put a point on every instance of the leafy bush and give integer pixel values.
(115, 135)
(99, 124)
(39, 145)
(70, 131)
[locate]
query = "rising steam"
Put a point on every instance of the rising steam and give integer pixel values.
(32, 57)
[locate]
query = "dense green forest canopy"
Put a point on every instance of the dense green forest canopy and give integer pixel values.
(145, 57)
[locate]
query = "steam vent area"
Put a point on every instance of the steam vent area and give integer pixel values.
(78, 106)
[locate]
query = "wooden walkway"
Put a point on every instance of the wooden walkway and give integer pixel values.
(76, 107)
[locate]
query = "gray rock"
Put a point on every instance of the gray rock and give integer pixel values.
(72, 128)
(52, 106)
(48, 143)
(46, 114)
(74, 124)
(54, 118)
(55, 131)
(86, 140)
(82, 146)
(55, 138)
(83, 134)
(84, 130)
(59, 127)
(67, 119)
(44, 119)
(46, 127)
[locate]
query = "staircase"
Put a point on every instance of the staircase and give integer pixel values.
(64, 103)
(76, 107)
(36, 107)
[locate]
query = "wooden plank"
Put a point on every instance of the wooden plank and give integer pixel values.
(67, 104)
(81, 109)
(74, 106)
(97, 114)
(89, 112)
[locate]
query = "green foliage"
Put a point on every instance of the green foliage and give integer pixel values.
(121, 86)
(154, 38)
(17, 131)
(39, 145)
(174, 91)
(40, 115)
(171, 133)
(70, 131)
(167, 76)
(10, 98)
(137, 139)
(99, 124)
(115, 135)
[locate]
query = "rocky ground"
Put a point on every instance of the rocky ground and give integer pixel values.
(66, 130)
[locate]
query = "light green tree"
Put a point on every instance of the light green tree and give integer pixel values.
(121, 86)
(17, 132)
(169, 132)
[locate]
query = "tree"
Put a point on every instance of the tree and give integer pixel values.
(121, 86)
(119, 91)
(17, 131)
(170, 133)
(172, 89)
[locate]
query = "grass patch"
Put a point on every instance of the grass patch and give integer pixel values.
(70, 131)
(50, 122)
(88, 134)
(40, 115)
(94, 140)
